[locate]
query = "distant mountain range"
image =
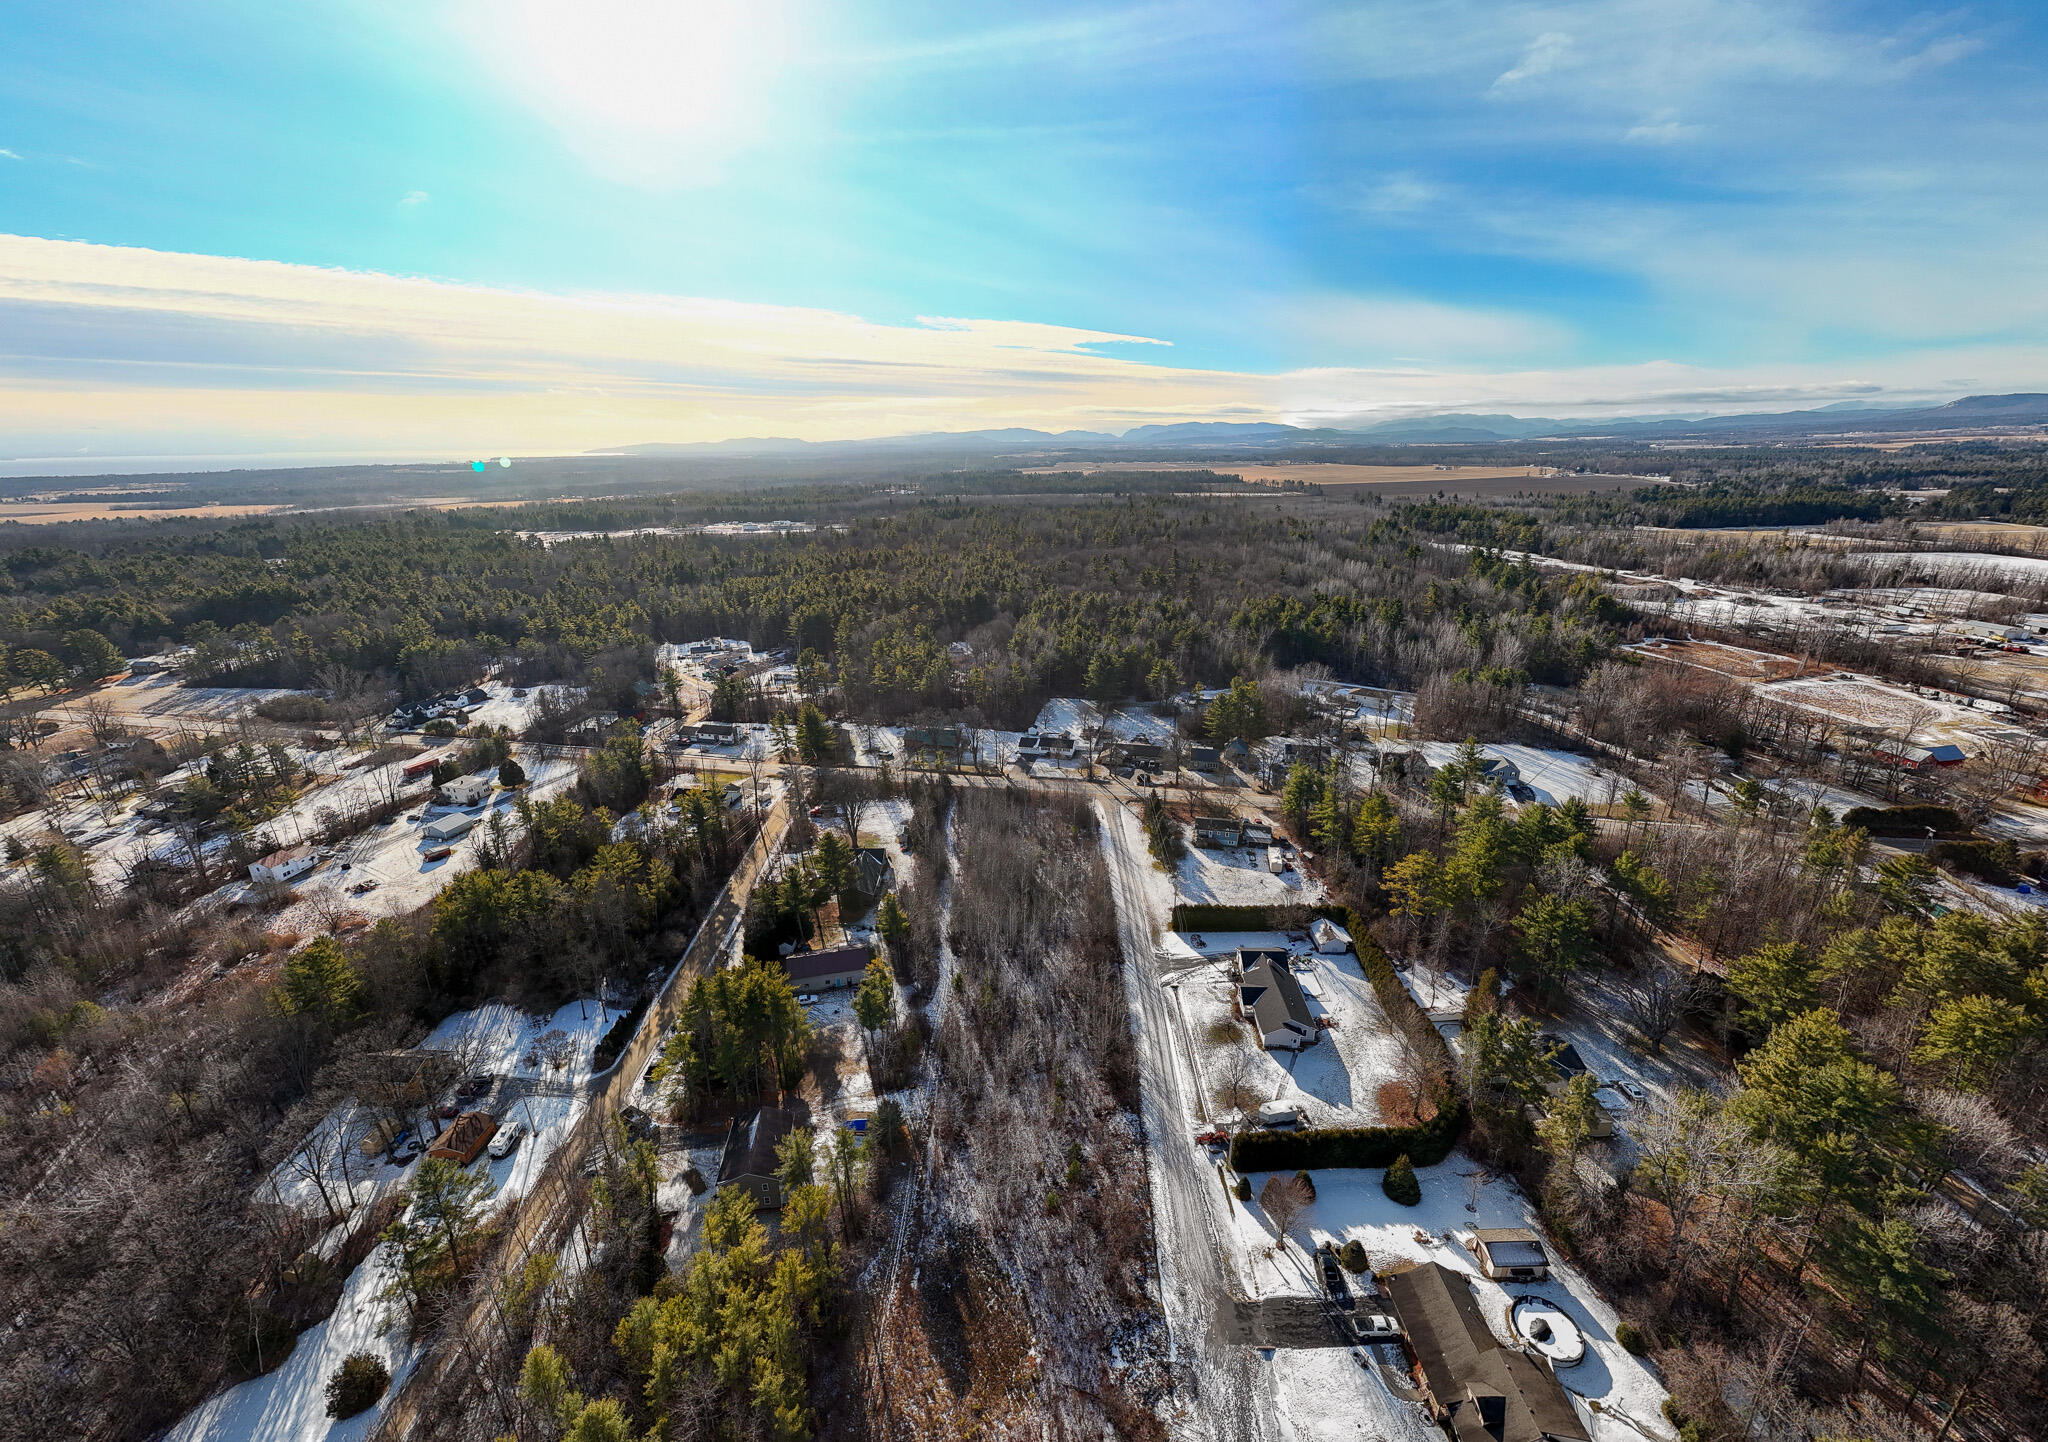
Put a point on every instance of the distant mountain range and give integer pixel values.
(1844, 418)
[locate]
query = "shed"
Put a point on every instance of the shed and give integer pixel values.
(283, 865)
(1329, 938)
(465, 1138)
(447, 828)
(1510, 1254)
(873, 871)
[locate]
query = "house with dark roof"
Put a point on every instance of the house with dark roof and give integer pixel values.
(823, 970)
(749, 1162)
(1268, 993)
(1480, 1389)
(934, 740)
(873, 871)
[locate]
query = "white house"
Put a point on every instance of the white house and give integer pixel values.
(447, 828)
(1330, 938)
(281, 866)
(467, 790)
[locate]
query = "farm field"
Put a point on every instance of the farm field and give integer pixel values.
(32, 513)
(1863, 701)
(1732, 661)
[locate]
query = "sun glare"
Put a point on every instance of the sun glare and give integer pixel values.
(644, 86)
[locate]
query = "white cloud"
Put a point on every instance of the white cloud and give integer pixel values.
(6, 154)
(1547, 52)
(1357, 326)
(1665, 130)
(414, 198)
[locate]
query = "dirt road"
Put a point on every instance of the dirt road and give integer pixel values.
(1193, 1280)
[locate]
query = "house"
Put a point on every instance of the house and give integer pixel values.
(1510, 1254)
(825, 970)
(750, 1163)
(708, 733)
(1275, 756)
(447, 828)
(281, 866)
(1205, 759)
(934, 740)
(873, 872)
(465, 1138)
(1330, 939)
(475, 696)
(1919, 758)
(1480, 1390)
(466, 790)
(1273, 999)
(1236, 752)
(1044, 743)
(1142, 753)
(1219, 833)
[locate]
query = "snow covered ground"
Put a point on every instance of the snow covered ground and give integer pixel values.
(1336, 1079)
(501, 1039)
(1552, 775)
(1457, 1196)
(289, 1403)
(516, 712)
(1953, 563)
(1241, 878)
(1073, 717)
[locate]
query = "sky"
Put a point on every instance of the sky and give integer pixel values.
(388, 228)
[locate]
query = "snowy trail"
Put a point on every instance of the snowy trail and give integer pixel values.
(1193, 1279)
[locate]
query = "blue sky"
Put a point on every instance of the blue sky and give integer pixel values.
(1312, 212)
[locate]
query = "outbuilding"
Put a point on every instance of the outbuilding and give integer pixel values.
(447, 828)
(1510, 1254)
(465, 1138)
(1330, 939)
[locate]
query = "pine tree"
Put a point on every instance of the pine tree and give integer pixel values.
(1401, 1184)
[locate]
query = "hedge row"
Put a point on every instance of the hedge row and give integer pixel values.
(1315, 1147)
(617, 1035)
(1906, 820)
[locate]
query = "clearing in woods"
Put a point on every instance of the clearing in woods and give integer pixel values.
(1731, 661)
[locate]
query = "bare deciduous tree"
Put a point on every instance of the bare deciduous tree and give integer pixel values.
(1284, 1198)
(1659, 999)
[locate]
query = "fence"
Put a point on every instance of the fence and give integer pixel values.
(544, 1218)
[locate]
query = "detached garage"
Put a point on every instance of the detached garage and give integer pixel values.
(447, 828)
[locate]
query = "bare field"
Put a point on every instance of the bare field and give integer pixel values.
(34, 514)
(1392, 481)
(1882, 707)
(1731, 661)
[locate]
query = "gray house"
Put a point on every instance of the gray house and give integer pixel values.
(1268, 994)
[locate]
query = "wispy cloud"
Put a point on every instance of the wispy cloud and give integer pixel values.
(166, 352)
(1547, 52)
(414, 198)
(6, 154)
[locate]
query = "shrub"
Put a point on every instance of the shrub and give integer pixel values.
(1672, 1414)
(357, 1386)
(1632, 1340)
(1325, 1147)
(1993, 861)
(1400, 1183)
(1243, 1190)
(511, 773)
(1352, 1255)
(615, 1038)
(1906, 820)
(1308, 1184)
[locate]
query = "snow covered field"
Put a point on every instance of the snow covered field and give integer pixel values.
(501, 1039)
(1074, 717)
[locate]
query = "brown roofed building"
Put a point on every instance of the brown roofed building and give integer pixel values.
(1484, 1391)
(465, 1138)
(1510, 1254)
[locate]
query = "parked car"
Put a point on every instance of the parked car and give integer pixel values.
(638, 1124)
(506, 1139)
(472, 1087)
(806, 999)
(1375, 1327)
(1632, 1091)
(448, 1111)
(1334, 1281)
